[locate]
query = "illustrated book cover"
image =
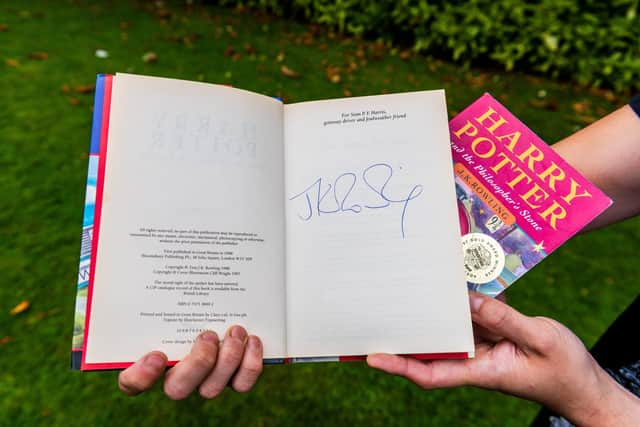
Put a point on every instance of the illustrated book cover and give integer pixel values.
(518, 200)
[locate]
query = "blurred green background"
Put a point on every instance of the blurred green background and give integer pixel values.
(48, 64)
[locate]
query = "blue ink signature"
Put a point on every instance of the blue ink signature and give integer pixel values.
(316, 194)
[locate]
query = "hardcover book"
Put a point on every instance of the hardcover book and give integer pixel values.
(326, 228)
(517, 199)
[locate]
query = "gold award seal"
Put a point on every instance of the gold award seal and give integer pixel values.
(483, 258)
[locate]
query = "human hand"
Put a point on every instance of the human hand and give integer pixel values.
(209, 367)
(531, 357)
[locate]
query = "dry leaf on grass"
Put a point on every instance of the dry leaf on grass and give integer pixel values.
(289, 72)
(150, 57)
(229, 51)
(39, 55)
(20, 308)
(85, 89)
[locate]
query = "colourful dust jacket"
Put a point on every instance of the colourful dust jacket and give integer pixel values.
(517, 199)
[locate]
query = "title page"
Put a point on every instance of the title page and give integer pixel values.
(374, 260)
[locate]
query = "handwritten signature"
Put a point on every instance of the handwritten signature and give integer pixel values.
(343, 186)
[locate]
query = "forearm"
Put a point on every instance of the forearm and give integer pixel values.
(610, 405)
(608, 153)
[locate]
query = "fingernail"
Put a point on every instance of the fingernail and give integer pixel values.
(475, 301)
(154, 361)
(209, 336)
(253, 343)
(238, 332)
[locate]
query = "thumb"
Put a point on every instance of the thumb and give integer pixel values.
(502, 320)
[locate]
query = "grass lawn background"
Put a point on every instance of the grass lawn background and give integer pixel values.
(47, 68)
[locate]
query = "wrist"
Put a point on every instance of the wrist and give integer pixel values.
(609, 404)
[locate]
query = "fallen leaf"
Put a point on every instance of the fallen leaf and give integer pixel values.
(150, 57)
(601, 112)
(249, 49)
(12, 63)
(604, 93)
(533, 80)
(282, 97)
(124, 25)
(3, 27)
(163, 13)
(289, 72)
(581, 107)
(35, 318)
(585, 119)
(232, 33)
(346, 92)
(66, 88)
(73, 101)
(280, 57)
(378, 50)
(84, 89)
(405, 54)
(547, 104)
(190, 39)
(23, 306)
(477, 81)
(229, 51)
(333, 74)
(5, 340)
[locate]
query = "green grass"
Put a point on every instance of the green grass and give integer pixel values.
(44, 135)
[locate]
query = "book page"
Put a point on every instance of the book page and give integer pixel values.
(192, 229)
(374, 260)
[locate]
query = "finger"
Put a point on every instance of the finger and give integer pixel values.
(502, 296)
(250, 367)
(143, 374)
(500, 319)
(432, 374)
(229, 360)
(483, 335)
(185, 377)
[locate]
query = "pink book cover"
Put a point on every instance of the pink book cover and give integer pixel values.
(518, 200)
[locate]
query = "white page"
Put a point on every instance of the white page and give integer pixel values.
(200, 160)
(369, 278)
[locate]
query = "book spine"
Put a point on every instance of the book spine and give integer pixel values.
(87, 226)
(102, 157)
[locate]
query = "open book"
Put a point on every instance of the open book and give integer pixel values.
(326, 228)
